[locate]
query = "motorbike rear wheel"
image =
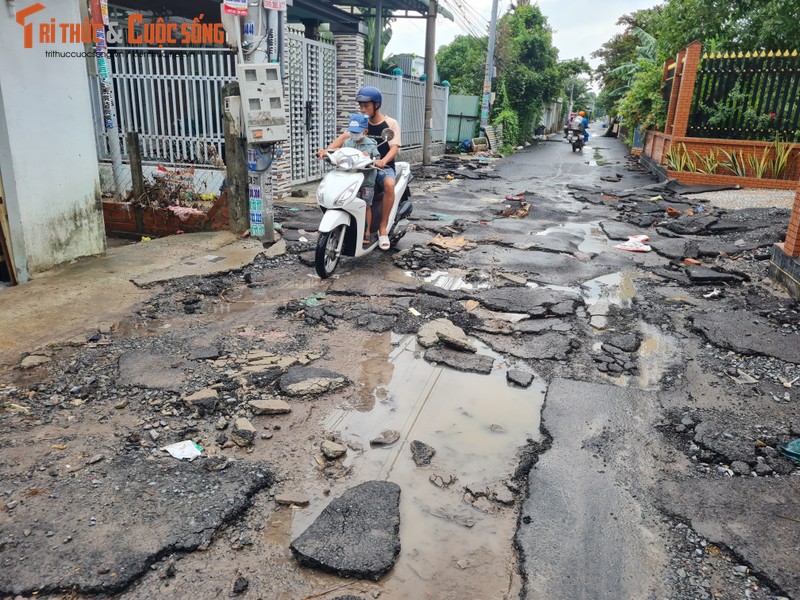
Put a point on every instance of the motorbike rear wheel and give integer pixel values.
(329, 250)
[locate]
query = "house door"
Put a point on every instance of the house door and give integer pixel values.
(311, 67)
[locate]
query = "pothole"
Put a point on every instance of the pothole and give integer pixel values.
(476, 424)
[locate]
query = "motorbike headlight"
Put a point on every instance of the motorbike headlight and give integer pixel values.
(346, 195)
(345, 162)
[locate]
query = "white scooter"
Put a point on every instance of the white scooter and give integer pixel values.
(344, 214)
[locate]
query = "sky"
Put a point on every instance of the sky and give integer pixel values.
(581, 26)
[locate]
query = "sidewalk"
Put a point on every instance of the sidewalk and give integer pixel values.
(93, 293)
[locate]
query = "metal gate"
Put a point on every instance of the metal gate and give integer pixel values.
(311, 66)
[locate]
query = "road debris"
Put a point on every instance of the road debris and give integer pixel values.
(185, 450)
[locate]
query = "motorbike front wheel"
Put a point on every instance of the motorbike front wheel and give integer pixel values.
(329, 250)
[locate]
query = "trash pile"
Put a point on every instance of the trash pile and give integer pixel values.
(173, 189)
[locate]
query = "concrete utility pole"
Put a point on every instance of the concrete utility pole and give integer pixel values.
(108, 99)
(257, 41)
(430, 76)
(487, 82)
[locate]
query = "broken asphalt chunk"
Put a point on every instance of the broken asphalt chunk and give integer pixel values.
(270, 406)
(386, 438)
(703, 275)
(744, 333)
(310, 381)
(129, 541)
(356, 535)
(243, 432)
(472, 363)
(203, 401)
(519, 377)
(422, 453)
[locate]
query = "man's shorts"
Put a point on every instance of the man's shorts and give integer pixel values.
(367, 193)
(387, 172)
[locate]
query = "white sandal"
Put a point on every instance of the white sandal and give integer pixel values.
(383, 242)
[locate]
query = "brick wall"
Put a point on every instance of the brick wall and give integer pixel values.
(657, 144)
(689, 178)
(792, 245)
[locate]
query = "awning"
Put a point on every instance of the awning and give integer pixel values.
(407, 6)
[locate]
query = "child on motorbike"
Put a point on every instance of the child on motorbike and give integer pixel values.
(359, 140)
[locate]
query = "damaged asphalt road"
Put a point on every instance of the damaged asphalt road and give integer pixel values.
(517, 410)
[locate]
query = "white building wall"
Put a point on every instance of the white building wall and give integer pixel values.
(48, 159)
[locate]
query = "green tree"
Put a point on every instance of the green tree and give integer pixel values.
(463, 63)
(622, 49)
(643, 105)
(731, 26)
(527, 64)
(369, 41)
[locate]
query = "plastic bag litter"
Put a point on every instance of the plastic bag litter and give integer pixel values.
(635, 243)
(313, 299)
(186, 449)
(790, 450)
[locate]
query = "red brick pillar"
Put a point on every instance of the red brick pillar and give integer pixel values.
(683, 104)
(792, 245)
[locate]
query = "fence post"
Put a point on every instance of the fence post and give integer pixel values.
(135, 155)
(236, 170)
(688, 72)
(399, 88)
(446, 112)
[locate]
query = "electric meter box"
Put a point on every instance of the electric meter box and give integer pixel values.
(263, 112)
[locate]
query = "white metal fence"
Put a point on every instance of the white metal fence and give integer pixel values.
(171, 97)
(404, 101)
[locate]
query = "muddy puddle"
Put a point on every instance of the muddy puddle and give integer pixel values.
(597, 158)
(658, 351)
(476, 423)
(594, 240)
(616, 288)
(455, 279)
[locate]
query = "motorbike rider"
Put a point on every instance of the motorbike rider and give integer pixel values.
(584, 126)
(369, 102)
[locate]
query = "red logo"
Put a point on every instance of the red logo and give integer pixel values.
(22, 15)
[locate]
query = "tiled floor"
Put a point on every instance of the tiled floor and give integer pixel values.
(735, 199)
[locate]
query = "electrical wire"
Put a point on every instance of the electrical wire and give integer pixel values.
(463, 20)
(261, 156)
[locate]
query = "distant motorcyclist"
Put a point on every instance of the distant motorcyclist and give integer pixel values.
(584, 125)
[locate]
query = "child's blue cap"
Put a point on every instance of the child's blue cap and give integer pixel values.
(358, 123)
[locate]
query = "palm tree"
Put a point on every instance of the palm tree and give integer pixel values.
(647, 52)
(369, 42)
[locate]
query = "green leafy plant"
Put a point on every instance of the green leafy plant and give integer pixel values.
(507, 119)
(734, 162)
(678, 159)
(759, 166)
(506, 149)
(708, 163)
(783, 151)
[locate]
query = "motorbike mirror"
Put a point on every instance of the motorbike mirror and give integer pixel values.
(387, 135)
